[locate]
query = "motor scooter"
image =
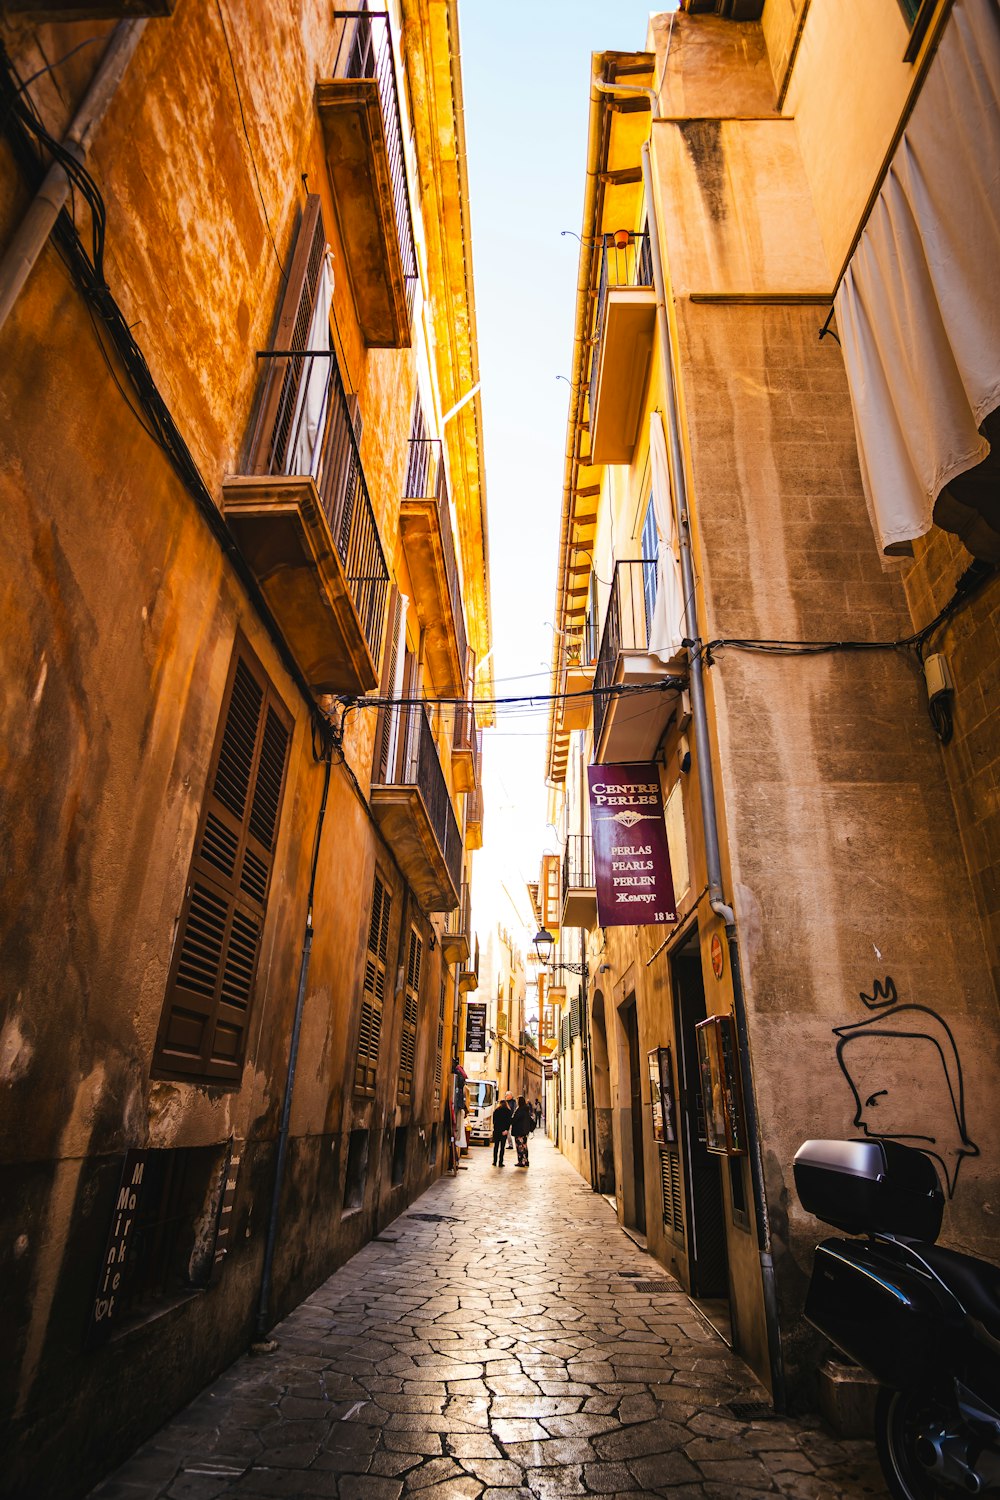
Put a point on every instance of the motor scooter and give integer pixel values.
(923, 1319)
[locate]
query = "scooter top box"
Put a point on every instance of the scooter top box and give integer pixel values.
(870, 1187)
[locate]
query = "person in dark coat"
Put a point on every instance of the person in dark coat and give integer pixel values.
(502, 1117)
(521, 1125)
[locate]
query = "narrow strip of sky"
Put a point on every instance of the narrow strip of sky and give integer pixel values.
(526, 73)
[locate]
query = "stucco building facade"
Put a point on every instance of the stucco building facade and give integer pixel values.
(245, 557)
(756, 621)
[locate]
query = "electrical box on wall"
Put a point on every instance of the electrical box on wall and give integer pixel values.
(937, 675)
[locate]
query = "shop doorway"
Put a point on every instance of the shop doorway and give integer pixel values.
(635, 1212)
(708, 1261)
(601, 1069)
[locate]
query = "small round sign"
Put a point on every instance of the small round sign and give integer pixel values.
(718, 957)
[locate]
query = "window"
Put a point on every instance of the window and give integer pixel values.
(418, 454)
(399, 1145)
(373, 990)
(917, 15)
(357, 1170)
(206, 1010)
(162, 1235)
(411, 1005)
(591, 626)
(650, 554)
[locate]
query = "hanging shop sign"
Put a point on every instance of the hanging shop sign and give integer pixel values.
(475, 1027)
(631, 859)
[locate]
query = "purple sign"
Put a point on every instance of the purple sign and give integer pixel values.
(631, 859)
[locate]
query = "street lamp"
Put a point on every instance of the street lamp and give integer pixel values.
(544, 944)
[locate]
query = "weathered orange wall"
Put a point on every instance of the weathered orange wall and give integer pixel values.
(119, 615)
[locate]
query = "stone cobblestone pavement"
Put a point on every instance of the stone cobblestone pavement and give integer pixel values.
(496, 1354)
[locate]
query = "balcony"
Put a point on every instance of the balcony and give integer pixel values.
(628, 726)
(578, 890)
(474, 819)
(580, 667)
(623, 330)
(304, 522)
(414, 811)
(363, 137)
(468, 978)
(457, 929)
(465, 752)
(429, 544)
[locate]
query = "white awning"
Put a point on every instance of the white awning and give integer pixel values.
(918, 311)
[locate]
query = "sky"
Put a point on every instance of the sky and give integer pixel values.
(526, 85)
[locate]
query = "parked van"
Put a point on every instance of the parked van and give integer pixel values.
(482, 1095)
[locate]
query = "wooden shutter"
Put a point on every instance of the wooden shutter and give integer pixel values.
(373, 990)
(670, 1183)
(381, 771)
(411, 1004)
(291, 332)
(203, 1027)
(440, 1044)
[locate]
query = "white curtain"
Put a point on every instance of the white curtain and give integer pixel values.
(666, 629)
(918, 311)
(310, 403)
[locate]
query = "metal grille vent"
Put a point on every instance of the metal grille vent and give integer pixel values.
(435, 1218)
(652, 1286)
(751, 1411)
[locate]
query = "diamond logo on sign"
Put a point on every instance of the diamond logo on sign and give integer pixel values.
(631, 859)
(630, 819)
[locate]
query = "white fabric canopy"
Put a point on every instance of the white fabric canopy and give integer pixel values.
(666, 629)
(918, 310)
(310, 403)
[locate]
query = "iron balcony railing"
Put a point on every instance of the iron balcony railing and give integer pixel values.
(426, 480)
(474, 806)
(415, 763)
(460, 920)
(465, 730)
(626, 260)
(304, 428)
(365, 51)
(626, 627)
(578, 864)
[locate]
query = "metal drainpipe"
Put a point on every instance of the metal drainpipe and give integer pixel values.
(36, 226)
(706, 786)
(706, 780)
(261, 1343)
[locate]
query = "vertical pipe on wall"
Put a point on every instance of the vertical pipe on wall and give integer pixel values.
(706, 786)
(264, 1300)
(31, 236)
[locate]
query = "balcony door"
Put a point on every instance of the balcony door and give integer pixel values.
(399, 681)
(650, 557)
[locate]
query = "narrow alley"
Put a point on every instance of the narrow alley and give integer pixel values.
(502, 1339)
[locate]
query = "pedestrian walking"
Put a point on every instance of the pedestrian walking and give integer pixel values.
(502, 1116)
(521, 1125)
